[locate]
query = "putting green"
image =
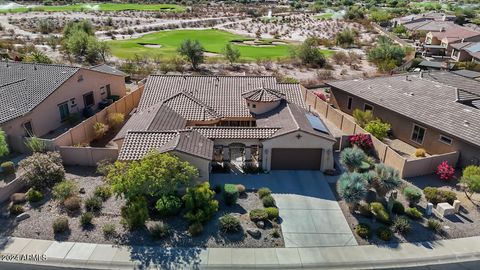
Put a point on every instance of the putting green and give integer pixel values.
(101, 7)
(213, 41)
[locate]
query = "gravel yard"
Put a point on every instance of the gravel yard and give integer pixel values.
(42, 214)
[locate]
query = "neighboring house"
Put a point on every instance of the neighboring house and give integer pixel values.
(246, 120)
(428, 26)
(438, 111)
(451, 35)
(39, 98)
(435, 65)
(468, 74)
(424, 17)
(465, 51)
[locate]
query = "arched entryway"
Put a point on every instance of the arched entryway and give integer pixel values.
(237, 153)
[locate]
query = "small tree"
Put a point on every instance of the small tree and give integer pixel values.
(352, 158)
(309, 54)
(43, 170)
(199, 203)
(471, 180)
(231, 53)
(135, 213)
(3, 144)
(352, 188)
(378, 128)
(362, 118)
(156, 174)
(193, 51)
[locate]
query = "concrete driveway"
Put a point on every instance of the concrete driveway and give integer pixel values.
(311, 217)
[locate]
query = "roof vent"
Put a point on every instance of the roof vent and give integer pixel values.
(466, 123)
(410, 94)
(467, 110)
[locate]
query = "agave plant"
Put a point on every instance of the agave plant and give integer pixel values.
(352, 188)
(352, 158)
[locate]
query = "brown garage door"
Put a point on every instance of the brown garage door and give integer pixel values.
(296, 159)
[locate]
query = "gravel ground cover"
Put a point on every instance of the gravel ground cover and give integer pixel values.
(42, 214)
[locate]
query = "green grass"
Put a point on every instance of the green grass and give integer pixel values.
(101, 7)
(212, 40)
(327, 16)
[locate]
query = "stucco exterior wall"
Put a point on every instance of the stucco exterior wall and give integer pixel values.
(290, 140)
(402, 128)
(201, 164)
(261, 107)
(46, 116)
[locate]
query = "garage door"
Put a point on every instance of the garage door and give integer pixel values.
(296, 159)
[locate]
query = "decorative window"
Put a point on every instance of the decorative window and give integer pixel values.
(254, 106)
(418, 134)
(349, 103)
(446, 140)
(28, 128)
(88, 99)
(367, 107)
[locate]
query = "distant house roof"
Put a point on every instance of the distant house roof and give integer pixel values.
(436, 16)
(428, 26)
(467, 73)
(138, 143)
(467, 89)
(424, 99)
(437, 65)
(108, 69)
(456, 33)
(23, 86)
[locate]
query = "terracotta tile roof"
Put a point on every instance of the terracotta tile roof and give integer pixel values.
(263, 95)
(109, 70)
(236, 132)
(426, 101)
(138, 143)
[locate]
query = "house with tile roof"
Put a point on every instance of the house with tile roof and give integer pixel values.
(235, 120)
(449, 36)
(465, 51)
(40, 98)
(438, 110)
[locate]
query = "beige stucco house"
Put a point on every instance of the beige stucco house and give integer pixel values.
(37, 99)
(241, 121)
(438, 111)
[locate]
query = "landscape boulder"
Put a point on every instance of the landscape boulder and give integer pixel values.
(254, 233)
(260, 224)
(18, 198)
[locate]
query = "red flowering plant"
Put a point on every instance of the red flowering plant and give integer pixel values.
(362, 141)
(445, 171)
(321, 96)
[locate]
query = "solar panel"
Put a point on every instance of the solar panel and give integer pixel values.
(316, 123)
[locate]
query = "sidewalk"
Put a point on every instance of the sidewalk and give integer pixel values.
(100, 256)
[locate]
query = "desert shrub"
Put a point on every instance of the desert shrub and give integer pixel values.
(364, 209)
(86, 219)
(362, 118)
(72, 203)
(35, 145)
(275, 233)
(420, 152)
(60, 224)
(363, 230)
(386, 179)
(99, 129)
(43, 170)
(352, 188)
(65, 189)
(262, 192)
(435, 195)
(109, 230)
(413, 213)
(104, 192)
(398, 208)
(377, 128)
(471, 180)
(4, 150)
(195, 229)
(352, 158)
(445, 171)
(229, 223)
(321, 95)
(230, 194)
(16, 209)
(135, 213)
(8, 167)
(272, 213)
(241, 188)
(362, 141)
(379, 212)
(199, 203)
(384, 233)
(159, 230)
(412, 194)
(115, 119)
(34, 195)
(434, 225)
(93, 204)
(401, 225)
(258, 214)
(268, 201)
(168, 205)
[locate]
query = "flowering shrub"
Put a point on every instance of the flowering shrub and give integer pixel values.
(363, 141)
(445, 171)
(321, 96)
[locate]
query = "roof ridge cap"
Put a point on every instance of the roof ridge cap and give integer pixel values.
(39, 64)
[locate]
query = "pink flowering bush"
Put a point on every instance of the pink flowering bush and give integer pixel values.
(363, 141)
(321, 96)
(445, 171)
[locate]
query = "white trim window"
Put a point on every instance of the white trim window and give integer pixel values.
(367, 107)
(446, 140)
(418, 134)
(349, 102)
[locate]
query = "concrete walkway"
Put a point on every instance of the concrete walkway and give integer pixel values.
(97, 256)
(310, 215)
